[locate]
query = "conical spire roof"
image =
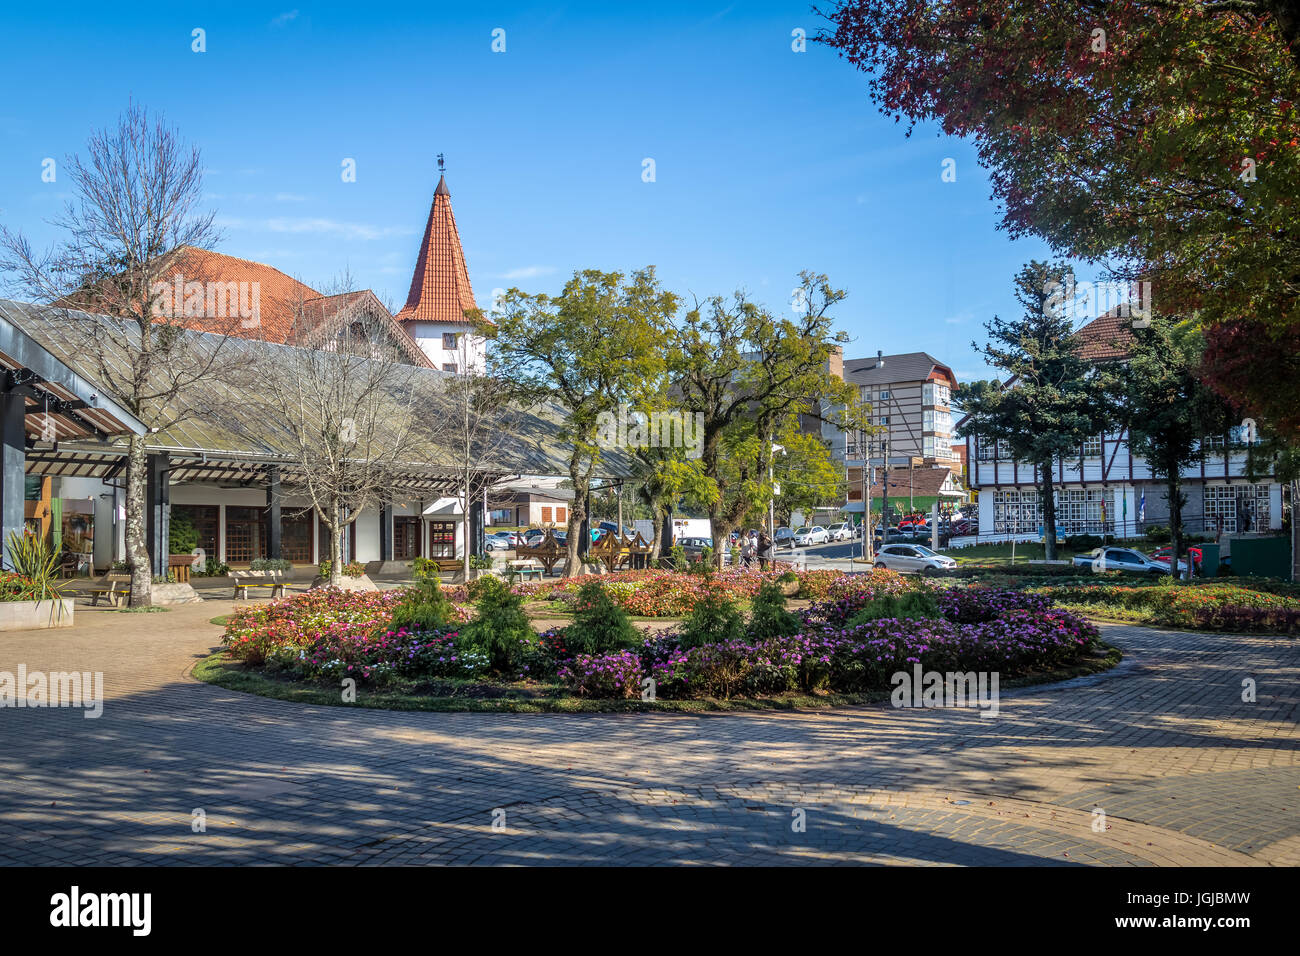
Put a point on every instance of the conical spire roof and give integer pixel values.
(440, 289)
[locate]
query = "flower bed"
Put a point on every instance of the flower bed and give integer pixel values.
(982, 629)
(658, 593)
(299, 622)
(1211, 606)
(848, 643)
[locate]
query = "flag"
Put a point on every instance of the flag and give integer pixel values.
(1142, 506)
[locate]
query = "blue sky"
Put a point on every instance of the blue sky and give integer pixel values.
(767, 161)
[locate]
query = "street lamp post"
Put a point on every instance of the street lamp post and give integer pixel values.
(771, 501)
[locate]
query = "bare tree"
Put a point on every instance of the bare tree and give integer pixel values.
(481, 424)
(134, 212)
(350, 406)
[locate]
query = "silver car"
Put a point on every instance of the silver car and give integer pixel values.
(1126, 559)
(845, 531)
(916, 558)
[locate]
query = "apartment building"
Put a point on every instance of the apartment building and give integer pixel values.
(911, 403)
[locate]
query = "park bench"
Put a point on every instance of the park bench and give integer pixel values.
(242, 584)
(117, 586)
(526, 568)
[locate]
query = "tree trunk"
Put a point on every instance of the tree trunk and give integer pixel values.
(336, 528)
(137, 528)
(721, 542)
(577, 514)
(1047, 499)
(657, 530)
(465, 524)
(1295, 530)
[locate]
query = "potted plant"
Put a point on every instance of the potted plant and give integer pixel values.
(30, 595)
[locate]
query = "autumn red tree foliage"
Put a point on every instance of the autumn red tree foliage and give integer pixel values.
(1161, 137)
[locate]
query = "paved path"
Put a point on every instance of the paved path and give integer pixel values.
(1185, 771)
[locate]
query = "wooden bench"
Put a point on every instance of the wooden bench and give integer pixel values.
(242, 584)
(526, 568)
(112, 591)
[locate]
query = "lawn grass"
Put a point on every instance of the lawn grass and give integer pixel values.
(988, 555)
(535, 698)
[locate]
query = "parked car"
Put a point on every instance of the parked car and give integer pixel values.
(694, 547)
(814, 535)
(501, 541)
(784, 538)
(534, 537)
(845, 531)
(1163, 555)
(913, 557)
(1128, 560)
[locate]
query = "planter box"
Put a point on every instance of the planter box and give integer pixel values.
(362, 583)
(29, 615)
(169, 594)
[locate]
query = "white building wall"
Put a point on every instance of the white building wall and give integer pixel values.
(470, 349)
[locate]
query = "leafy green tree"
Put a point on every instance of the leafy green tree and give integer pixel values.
(1051, 399)
(749, 375)
(594, 346)
(807, 473)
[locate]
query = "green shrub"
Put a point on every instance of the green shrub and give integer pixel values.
(599, 624)
(915, 605)
(32, 557)
(770, 618)
(353, 569)
(1083, 542)
(270, 564)
(423, 607)
(212, 568)
(714, 620)
(677, 558)
(182, 535)
(1159, 534)
(501, 629)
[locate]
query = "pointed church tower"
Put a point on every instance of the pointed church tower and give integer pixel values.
(440, 293)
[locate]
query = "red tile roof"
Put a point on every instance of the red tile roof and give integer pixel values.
(289, 312)
(1105, 338)
(440, 289)
(281, 297)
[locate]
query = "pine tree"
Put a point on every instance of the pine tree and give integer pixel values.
(1051, 399)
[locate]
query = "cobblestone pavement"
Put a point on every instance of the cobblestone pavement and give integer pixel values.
(1184, 770)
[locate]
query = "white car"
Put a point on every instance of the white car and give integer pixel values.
(814, 535)
(913, 557)
(846, 531)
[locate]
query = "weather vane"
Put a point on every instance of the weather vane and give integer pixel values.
(442, 165)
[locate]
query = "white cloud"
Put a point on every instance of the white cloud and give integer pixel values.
(527, 272)
(289, 197)
(332, 227)
(284, 18)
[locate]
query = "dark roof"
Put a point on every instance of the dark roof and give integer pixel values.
(907, 367)
(223, 422)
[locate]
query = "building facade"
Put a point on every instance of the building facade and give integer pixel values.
(911, 404)
(1105, 488)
